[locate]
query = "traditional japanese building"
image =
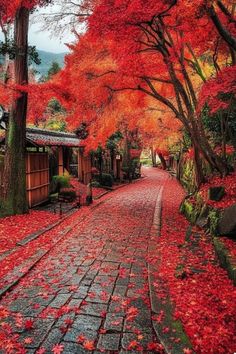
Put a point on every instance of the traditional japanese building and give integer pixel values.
(50, 153)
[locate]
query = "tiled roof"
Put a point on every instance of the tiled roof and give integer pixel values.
(43, 137)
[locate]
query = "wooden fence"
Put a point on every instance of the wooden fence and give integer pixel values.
(37, 178)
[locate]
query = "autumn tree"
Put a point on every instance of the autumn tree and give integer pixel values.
(159, 131)
(222, 14)
(152, 58)
(145, 49)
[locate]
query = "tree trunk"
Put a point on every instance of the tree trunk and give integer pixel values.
(14, 178)
(153, 153)
(192, 124)
(163, 161)
(222, 30)
(179, 165)
(214, 160)
(199, 176)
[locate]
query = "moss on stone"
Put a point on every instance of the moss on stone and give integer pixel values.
(213, 218)
(179, 330)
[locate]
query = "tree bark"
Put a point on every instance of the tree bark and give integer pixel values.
(214, 160)
(194, 125)
(163, 161)
(14, 179)
(224, 33)
(199, 176)
(153, 153)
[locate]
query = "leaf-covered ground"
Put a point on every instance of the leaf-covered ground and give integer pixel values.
(81, 190)
(15, 228)
(91, 293)
(200, 289)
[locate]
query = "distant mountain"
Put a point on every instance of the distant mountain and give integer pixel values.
(47, 58)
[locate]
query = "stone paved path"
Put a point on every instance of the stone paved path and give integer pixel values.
(91, 290)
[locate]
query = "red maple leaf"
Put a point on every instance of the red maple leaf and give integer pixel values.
(103, 314)
(102, 331)
(154, 346)
(132, 345)
(131, 313)
(29, 324)
(58, 349)
(68, 321)
(41, 351)
(81, 338)
(89, 345)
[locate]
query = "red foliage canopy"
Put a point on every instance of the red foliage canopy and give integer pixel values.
(8, 8)
(219, 91)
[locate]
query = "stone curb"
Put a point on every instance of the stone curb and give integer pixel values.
(226, 260)
(30, 265)
(175, 327)
(40, 254)
(36, 258)
(35, 235)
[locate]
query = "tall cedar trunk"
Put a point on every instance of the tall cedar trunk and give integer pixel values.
(14, 179)
(163, 161)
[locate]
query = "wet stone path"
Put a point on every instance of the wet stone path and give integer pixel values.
(90, 292)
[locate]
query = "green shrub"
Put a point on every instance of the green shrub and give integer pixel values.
(146, 162)
(106, 180)
(59, 182)
(95, 184)
(187, 177)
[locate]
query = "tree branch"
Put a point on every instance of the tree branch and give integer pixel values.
(92, 75)
(225, 11)
(151, 78)
(224, 33)
(160, 98)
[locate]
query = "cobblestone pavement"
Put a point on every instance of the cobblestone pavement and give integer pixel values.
(90, 292)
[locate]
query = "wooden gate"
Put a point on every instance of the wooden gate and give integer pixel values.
(37, 178)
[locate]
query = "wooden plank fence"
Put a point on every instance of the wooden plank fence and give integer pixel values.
(37, 178)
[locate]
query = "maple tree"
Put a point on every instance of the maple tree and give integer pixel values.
(155, 55)
(144, 49)
(159, 131)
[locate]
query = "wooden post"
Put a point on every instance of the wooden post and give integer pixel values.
(28, 182)
(60, 161)
(80, 165)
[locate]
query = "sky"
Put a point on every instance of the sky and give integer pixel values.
(43, 39)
